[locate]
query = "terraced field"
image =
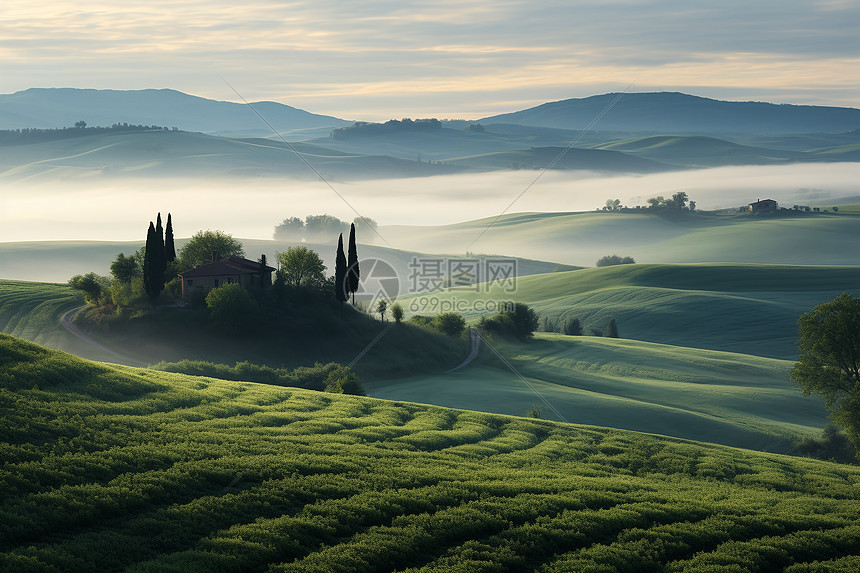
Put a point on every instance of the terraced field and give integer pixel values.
(114, 468)
(33, 311)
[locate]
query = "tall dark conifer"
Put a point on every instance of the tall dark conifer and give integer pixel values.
(149, 265)
(352, 263)
(169, 247)
(341, 286)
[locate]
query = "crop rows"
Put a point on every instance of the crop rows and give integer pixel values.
(112, 468)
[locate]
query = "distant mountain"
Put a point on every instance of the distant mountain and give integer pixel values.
(677, 113)
(62, 107)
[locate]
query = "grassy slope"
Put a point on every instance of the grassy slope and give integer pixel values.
(33, 311)
(718, 397)
(751, 309)
(111, 468)
(582, 238)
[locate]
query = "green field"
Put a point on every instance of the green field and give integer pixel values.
(33, 311)
(113, 468)
(718, 397)
(662, 237)
(751, 309)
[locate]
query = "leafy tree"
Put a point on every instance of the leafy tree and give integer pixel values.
(169, 247)
(199, 249)
(613, 204)
(343, 380)
(655, 202)
(381, 307)
(323, 226)
(610, 260)
(833, 445)
(397, 312)
(573, 327)
(829, 363)
(353, 271)
(341, 283)
(449, 323)
(124, 268)
(232, 308)
(92, 285)
(679, 200)
(534, 411)
(611, 329)
(367, 222)
(290, 228)
(302, 267)
(80, 124)
(518, 320)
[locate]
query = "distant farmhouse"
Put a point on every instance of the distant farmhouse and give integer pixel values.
(248, 274)
(763, 205)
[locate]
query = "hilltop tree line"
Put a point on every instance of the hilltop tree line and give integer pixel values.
(37, 134)
(677, 201)
(319, 227)
(406, 125)
(573, 327)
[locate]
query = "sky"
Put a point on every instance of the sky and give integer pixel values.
(381, 59)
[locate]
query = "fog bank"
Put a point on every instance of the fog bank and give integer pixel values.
(120, 209)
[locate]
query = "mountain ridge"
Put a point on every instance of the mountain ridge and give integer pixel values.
(676, 112)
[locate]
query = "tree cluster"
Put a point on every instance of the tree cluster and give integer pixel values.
(347, 272)
(677, 201)
(318, 227)
(518, 320)
(610, 260)
(406, 125)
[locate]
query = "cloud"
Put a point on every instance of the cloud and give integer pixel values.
(355, 59)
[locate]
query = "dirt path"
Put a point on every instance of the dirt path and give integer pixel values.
(67, 321)
(473, 353)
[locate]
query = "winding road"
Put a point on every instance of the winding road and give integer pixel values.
(473, 353)
(67, 321)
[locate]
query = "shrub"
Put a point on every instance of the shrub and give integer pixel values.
(232, 307)
(518, 320)
(449, 323)
(610, 260)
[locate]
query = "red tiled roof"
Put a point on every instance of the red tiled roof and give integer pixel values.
(231, 266)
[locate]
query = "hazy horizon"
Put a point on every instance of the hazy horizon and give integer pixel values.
(118, 209)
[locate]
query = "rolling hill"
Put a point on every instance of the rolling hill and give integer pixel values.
(719, 397)
(146, 154)
(648, 236)
(111, 468)
(750, 309)
(63, 107)
(678, 113)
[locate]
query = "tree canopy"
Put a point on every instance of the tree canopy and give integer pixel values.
(829, 363)
(198, 250)
(301, 267)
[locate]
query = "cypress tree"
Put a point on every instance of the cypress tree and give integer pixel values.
(611, 329)
(341, 287)
(148, 264)
(352, 263)
(169, 247)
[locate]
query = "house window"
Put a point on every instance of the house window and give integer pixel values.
(229, 280)
(216, 282)
(190, 282)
